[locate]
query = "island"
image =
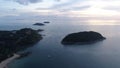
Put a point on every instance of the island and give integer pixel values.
(16, 40)
(39, 24)
(84, 37)
(46, 22)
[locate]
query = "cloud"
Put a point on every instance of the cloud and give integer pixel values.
(26, 2)
(68, 5)
(64, 4)
(82, 7)
(57, 0)
(13, 9)
(65, 7)
(116, 8)
(76, 8)
(42, 8)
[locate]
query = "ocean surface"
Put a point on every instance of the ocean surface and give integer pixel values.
(50, 53)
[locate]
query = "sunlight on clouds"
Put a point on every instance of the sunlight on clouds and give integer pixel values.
(72, 8)
(93, 12)
(43, 12)
(98, 12)
(101, 22)
(97, 9)
(48, 12)
(65, 8)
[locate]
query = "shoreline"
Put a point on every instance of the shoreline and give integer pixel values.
(4, 63)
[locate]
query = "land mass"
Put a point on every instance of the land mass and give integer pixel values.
(46, 22)
(39, 24)
(13, 41)
(82, 38)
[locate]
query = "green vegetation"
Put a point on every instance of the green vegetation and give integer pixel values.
(17, 40)
(82, 38)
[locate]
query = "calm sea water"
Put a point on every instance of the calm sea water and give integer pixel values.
(50, 53)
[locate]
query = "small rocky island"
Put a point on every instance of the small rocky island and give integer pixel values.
(17, 40)
(82, 38)
(46, 22)
(39, 24)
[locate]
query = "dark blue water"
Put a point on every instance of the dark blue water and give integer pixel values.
(50, 53)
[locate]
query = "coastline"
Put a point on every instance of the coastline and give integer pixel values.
(14, 41)
(4, 63)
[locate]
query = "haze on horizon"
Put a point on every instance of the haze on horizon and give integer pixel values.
(92, 10)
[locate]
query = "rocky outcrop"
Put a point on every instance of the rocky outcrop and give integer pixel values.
(39, 24)
(82, 38)
(46, 22)
(17, 40)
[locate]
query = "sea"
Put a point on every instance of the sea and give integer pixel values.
(50, 53)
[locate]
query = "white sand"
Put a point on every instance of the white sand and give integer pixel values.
(4, 63)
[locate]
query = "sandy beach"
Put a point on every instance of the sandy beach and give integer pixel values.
(4, 63)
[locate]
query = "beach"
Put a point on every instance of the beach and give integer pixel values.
(4, 63)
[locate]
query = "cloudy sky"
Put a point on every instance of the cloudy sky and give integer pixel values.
(70, 8)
